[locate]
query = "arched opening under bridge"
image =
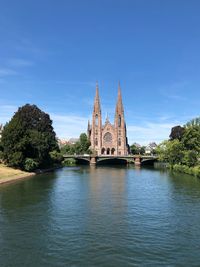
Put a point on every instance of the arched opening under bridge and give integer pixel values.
(112, 161)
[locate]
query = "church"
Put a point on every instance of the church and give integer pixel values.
(108, 138)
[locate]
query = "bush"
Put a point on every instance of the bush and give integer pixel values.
(30, 164)
(190, 158)
(15, 159)
(69, 162)
(56, 156)
(196, 171)
(188, 170)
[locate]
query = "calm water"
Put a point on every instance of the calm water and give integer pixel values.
(105, 216)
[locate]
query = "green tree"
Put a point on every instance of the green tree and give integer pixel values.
(135, 149)
(142, 150)
(193, 122)
(190, 158)
(68, 149)
(171, 151)
(82, 146)
(28, 139)
(191, 138)
(56, 156)
(177, 133)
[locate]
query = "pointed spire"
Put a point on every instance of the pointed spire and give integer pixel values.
(97, 107)
(107, 117)
(119, 89)
(97, 91)
(119, 106)
(88, 129)
(88, 124)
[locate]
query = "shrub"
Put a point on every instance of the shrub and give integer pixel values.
(188, 170)
(69, 162)
(56, 156)
(30, 164)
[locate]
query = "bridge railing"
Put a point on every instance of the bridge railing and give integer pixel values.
(111, 156)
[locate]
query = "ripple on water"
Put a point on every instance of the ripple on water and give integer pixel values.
(101, 217)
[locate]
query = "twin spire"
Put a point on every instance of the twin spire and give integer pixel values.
(119, 105)
(97, 106)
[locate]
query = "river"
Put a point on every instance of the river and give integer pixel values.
(101, 216)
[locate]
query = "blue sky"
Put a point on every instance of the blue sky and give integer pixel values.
(53, 52)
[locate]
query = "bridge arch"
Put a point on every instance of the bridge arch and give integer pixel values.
(148, 161)
(112, 161)
(82, 161)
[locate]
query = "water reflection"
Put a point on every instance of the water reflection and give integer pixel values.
(106, 216)
(32, 191)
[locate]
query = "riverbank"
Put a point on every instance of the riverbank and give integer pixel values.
(8, 174)
(195, 171)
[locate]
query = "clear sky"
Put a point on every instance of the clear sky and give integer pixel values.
(53, 52)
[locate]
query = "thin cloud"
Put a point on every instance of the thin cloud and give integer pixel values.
(175, 91)
(150, 132)
(7, 72)
(67, 126)
(19, 62)
(147, 134)
(6, 112)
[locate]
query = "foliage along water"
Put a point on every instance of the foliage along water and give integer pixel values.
(104, 216)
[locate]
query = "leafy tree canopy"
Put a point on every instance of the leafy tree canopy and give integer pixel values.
(137, 149)
(183, 146)
(28, 139)
(80, 147)
(193, 122)
(170, 151)
(177, 132)
(191, 138)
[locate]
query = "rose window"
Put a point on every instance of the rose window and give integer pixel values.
(108, 138)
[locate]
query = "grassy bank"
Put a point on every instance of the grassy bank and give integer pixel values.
(188, 170)
(195, 171)
(8, 174)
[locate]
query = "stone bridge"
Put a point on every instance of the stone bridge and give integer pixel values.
(95, 160)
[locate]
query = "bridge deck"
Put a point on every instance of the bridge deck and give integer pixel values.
(111, 156)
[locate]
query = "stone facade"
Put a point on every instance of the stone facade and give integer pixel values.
(108, 139)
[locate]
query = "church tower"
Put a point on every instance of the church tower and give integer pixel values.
(120, 126)
(108, 139)
(96, 130)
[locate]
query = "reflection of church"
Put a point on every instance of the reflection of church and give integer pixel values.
(108, 139)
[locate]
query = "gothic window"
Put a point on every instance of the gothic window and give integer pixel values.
(108, 151)
(96, 142)
(96, 119)
(103, 151)
(108, 137)
(96, 131)
(119, 132)
(119, 142)
(119, 121)
(112, 151)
